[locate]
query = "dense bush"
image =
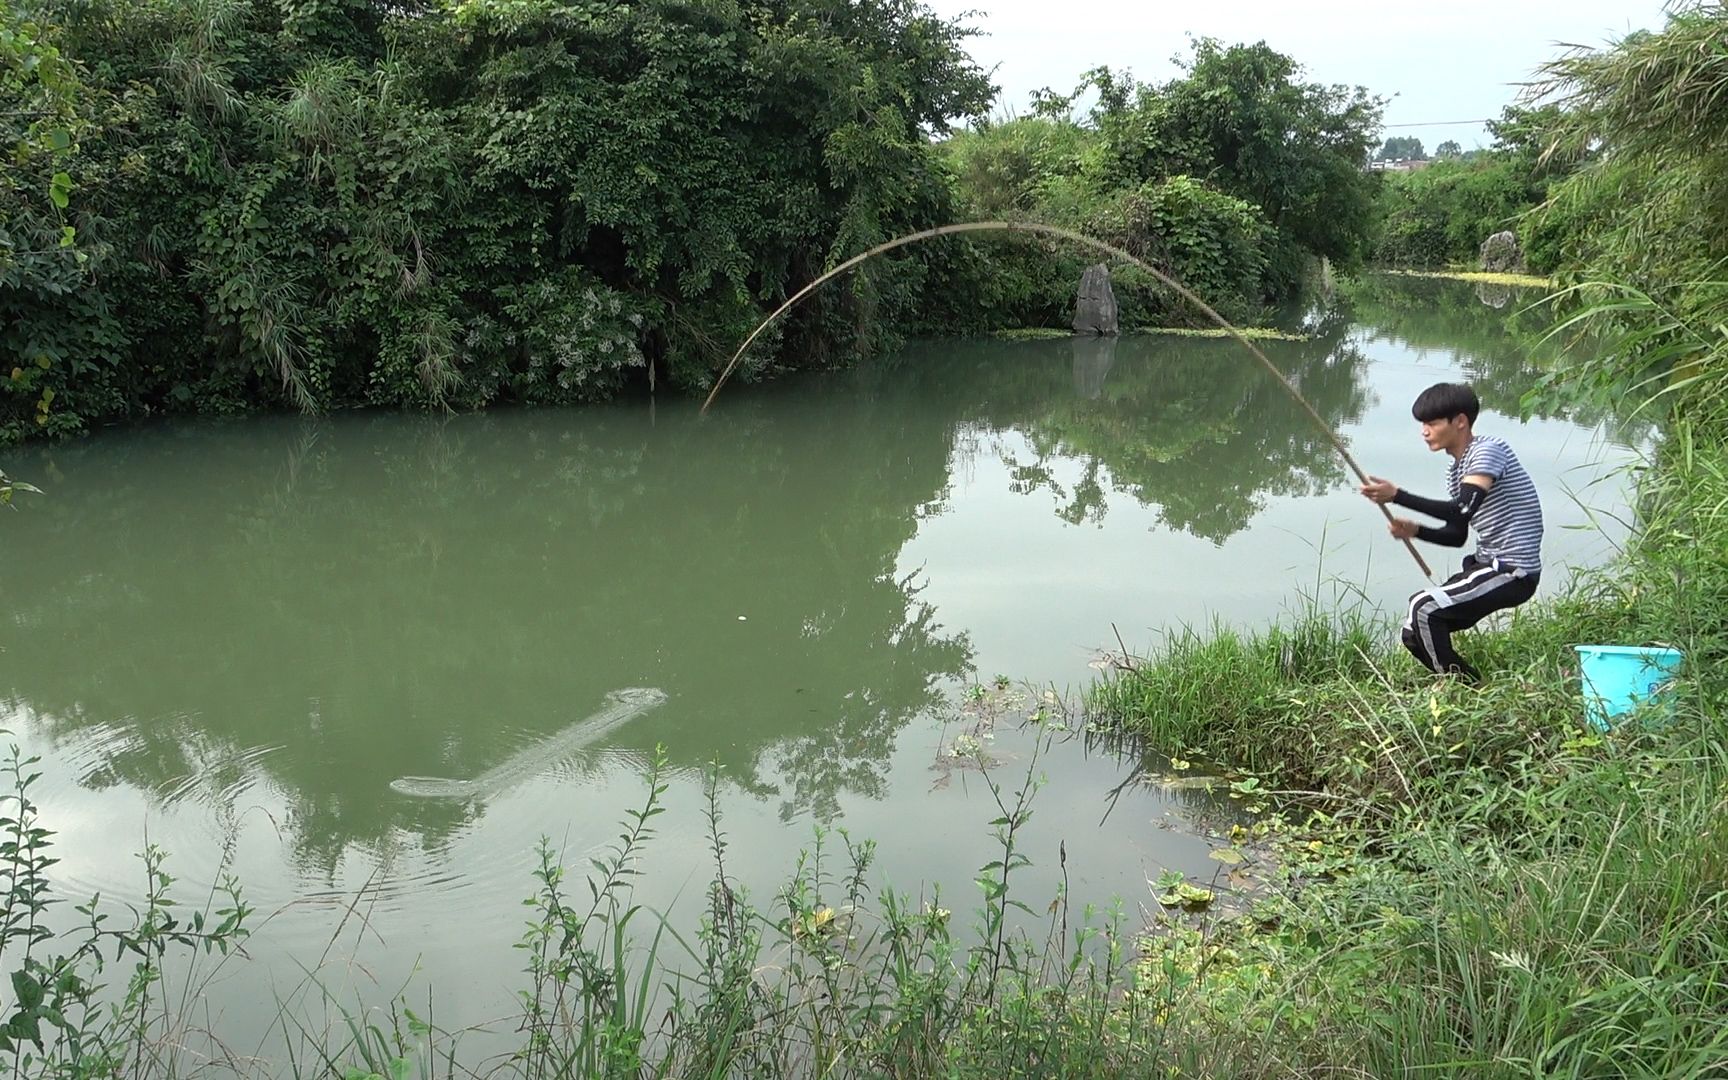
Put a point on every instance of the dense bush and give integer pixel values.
(344, 204)
(1439, 215)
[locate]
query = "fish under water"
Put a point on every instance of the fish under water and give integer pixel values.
(621, 707)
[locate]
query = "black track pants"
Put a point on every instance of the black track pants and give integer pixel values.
(1462, 601)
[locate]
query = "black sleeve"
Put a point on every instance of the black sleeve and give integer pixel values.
(1452, 534)
(1452, 511)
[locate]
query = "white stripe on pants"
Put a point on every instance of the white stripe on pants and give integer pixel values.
(1476, 583)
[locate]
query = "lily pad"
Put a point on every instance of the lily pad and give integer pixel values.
(1186, 895)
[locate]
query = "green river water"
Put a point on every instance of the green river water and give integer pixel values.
(366, 661)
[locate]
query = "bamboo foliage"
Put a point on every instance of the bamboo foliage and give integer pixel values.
(1663, 94)
(1650, 212)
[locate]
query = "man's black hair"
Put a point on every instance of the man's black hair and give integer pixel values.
(1443, 401)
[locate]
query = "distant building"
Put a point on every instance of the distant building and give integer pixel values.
(1401, 165)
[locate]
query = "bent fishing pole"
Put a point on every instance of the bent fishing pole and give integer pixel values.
(1098, 245)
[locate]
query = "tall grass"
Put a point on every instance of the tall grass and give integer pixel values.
(60, 1018)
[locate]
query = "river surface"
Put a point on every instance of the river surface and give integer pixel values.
(365, 662)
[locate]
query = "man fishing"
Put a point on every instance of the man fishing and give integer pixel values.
(1492, 494)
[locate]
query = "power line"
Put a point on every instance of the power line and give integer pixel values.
(1438, 123)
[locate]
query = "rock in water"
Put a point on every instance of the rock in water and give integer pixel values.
(1500, 253)
(1095, 309)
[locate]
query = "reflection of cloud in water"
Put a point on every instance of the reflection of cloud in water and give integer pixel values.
(380, 596)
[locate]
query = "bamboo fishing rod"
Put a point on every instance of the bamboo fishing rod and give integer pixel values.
(1099, 245)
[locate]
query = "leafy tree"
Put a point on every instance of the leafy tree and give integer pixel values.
(1403, 148)
(1242, 118)
(1449, 149)
(1016, 167)
(341, 204)
(1441, 214)
(1039, 168)
(1529, 134)
(1230, 178)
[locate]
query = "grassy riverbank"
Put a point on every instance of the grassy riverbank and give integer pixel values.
(1498, 888)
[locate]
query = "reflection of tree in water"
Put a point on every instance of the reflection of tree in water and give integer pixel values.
(1503, 348)
(1194, 427)
(389, 597)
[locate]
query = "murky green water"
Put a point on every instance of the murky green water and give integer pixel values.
(242, 640)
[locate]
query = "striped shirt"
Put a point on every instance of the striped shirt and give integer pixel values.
(1508, 524)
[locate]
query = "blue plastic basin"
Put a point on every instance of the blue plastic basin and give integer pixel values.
(1620, 678)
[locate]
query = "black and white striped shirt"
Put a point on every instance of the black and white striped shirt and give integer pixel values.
(1508, 524)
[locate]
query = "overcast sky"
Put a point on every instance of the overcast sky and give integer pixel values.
(1450, 61)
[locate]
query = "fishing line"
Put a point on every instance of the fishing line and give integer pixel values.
(1099, 245)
